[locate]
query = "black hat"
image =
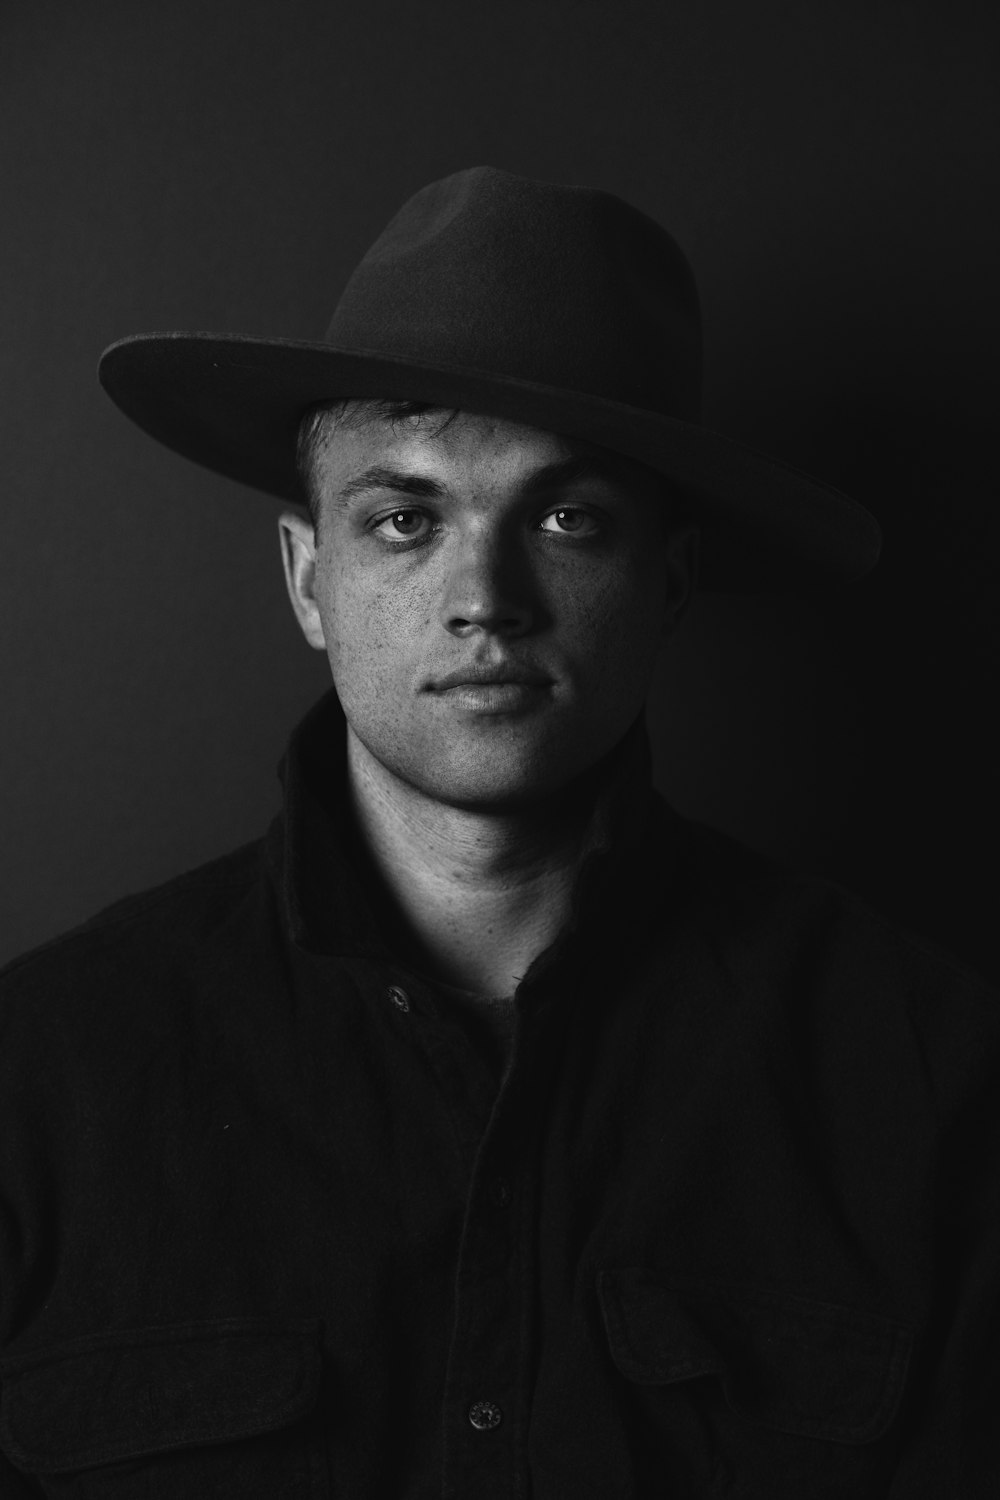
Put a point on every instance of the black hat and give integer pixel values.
(563, 308)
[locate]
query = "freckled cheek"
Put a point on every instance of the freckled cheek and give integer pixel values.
(370, 632)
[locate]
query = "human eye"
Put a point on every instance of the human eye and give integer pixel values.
(571, 520)
(402, 526)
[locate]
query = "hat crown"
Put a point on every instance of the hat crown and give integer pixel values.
(565, 287)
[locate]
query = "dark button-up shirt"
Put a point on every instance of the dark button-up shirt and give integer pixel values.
(272, 1225)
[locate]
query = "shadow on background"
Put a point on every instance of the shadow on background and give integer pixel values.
(856, 735)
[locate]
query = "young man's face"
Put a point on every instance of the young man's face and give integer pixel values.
(491, 599)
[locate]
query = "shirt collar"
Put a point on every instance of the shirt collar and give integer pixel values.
(330, 901)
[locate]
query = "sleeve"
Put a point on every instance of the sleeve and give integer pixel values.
(953, 1446)
(953, 1437)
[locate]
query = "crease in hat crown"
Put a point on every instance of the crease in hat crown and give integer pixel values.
(558, 307)
(473, 267)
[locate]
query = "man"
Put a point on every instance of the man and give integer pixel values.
(489, 1130)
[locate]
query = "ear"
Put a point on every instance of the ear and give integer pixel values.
(682, 563)
(298, 553)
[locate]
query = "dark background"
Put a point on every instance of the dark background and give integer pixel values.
(831, 170)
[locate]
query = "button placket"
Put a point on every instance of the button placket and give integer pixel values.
(489, 1341)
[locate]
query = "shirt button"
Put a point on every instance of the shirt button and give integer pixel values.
(485, 1415)
(502, 1194)
(399, 998)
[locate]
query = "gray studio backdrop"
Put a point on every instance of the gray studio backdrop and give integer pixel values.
(831, 170)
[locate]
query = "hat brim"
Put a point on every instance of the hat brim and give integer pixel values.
(233, 404)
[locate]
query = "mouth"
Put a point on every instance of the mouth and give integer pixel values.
(486, 675)
(492, 689)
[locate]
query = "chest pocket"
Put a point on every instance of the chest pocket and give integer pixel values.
(758, 1393)
(218, 1408)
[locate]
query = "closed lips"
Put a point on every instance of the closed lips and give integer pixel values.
(489, 677)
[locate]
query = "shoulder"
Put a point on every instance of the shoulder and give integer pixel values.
(819, 961)
(137, 943)
(95, 1023)
(762, 900)
(820, 972)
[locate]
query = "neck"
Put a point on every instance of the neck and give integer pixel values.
(475, 896)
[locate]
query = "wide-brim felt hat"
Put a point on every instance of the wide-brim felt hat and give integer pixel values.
(562, 308)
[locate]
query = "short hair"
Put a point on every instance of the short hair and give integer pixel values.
(349, 412)
(314, 430)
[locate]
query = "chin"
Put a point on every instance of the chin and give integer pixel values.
(496, 784)
(507, 768)
(486, 794)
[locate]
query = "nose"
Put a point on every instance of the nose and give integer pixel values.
(489, 588)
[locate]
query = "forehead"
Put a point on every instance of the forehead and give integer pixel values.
(461, 445)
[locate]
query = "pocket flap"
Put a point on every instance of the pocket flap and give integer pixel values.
(121, 1395)
(803, 1367)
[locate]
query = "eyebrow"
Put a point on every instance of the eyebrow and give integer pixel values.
(557, 475)
(381, 478)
